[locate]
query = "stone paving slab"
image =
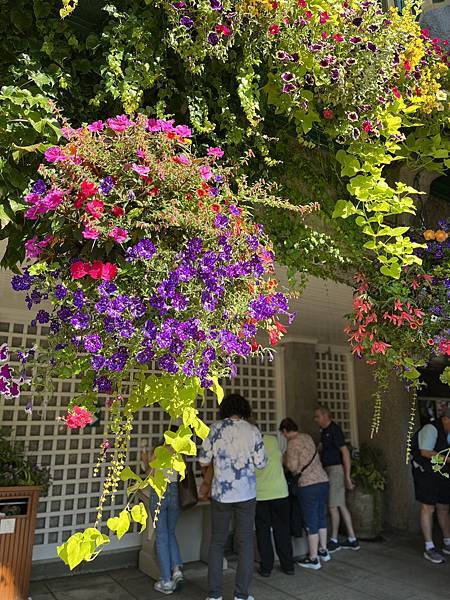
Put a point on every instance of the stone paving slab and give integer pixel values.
(107, 591)
(390, 570)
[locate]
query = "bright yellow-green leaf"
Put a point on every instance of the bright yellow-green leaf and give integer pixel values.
(139, 515)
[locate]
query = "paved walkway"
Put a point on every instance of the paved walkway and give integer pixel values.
(389, 570)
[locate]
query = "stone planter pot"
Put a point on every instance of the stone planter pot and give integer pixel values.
(367, 513)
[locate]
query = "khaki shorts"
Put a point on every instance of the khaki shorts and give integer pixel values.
(337, 485)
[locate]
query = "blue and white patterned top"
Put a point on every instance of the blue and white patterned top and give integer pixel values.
(236, 449)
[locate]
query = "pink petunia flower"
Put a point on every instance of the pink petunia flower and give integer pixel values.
(79, 269)
(205, 172)
(216, 152)
(140, 169)
(274, 29)
(33, 248)
(96, 126)
(119, 235)
(78, 417)
(119, 123)
(95, 208)
(54, 155)
(182, 159)
(90, 233)
(183, 131)
(52, 200)
(109, 272)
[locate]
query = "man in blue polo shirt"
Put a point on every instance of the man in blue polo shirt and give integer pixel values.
(336, 460)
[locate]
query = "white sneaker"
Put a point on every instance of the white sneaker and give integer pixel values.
(324, 555)
(177, 577)
(249, 598)
(165, 587)
(214, 598)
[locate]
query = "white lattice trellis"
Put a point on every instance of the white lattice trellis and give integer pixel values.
(336, 390)
(71, 454)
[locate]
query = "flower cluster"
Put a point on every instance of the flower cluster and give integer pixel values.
(78, 417)
(352, 64)
(413, 327)
(10, 382)
(148, 257)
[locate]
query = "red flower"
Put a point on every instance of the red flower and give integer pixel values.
(109, 271)
(78, 417)
(274, 29)
(308, 15)
(95, 270)
(323, 17)
(215, 208)
(79, 269)
(274, 5)
(79, 200)
(254, 345)
(338, 37)
(328, 114)
(88, 189)
(407, 65)
(171, 135)
(117, 211)
(367, 126)
(95, 208)
(153, 191)
(302, 3)
(396, 92)
(200, 193)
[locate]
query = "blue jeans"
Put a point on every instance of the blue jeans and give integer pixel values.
(166, 542)
(313, 500)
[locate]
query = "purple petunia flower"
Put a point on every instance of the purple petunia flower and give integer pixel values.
(92, 343)
(60, 292)
(213, 38)
(216, 4)
(372, 47)
(80, 321)
(39, 187)
(287, 76)
(98, 362)
(186, 22)
(78, 298)
(145, 356)
(288, 88)
(355, 39)
(167, 363)
(106, 185)
(144, 249)
(103, 384)
(42, 317)
(179, 5)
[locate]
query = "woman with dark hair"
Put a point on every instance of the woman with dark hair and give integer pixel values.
(236, 450)
(303, 461)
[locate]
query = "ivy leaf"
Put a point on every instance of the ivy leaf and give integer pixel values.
(343, 209)
(392, 269)
(81, 546)
(217, 388)
(139, 515)
(120, 524)
(181, 441)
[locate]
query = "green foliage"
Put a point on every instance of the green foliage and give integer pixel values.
(16, 469)
(445, 376)
(369, 469)
(82, 546)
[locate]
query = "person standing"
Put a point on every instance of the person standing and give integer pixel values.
(336, 460)
(165, 513)
(432, 489)
(272, 512)
(302, 460)
(236, 449)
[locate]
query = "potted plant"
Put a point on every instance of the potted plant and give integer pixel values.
(21, 484)
(365, 500)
